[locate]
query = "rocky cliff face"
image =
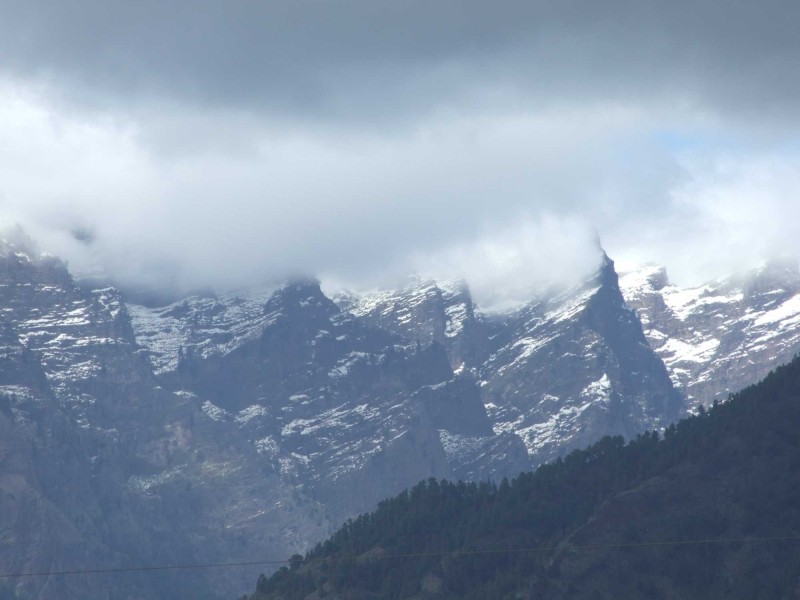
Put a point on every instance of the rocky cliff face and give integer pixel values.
(574, 367)
(722, 336)
(104, 468)
(335, 404)
(559, 372)
(247, 425)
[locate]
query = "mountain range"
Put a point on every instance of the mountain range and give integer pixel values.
(708, 510)
(719, 337)
(221, 427)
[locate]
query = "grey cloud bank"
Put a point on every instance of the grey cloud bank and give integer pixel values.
(376, 60)
(187, 144)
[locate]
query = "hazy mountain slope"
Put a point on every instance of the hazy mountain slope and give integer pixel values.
(559, 372)
(356, 399)
(334, 404)
(217, 428)
(101, 467)
(609, 521)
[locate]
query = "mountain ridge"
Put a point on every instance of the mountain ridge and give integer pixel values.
(720, 336)
(265, 419)
(709, 510)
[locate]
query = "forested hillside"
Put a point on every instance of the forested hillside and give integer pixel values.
(710, 509)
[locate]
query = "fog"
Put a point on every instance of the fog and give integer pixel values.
(182, 146)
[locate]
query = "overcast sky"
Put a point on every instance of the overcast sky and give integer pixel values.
(223, 143)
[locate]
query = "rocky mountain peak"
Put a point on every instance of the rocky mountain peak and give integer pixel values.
(590, 333)
(606, 270)
(21, 262)
(273, 413)
(718, 337)
(773, 280)
(422, 313)
(301, 297)
(644, 280)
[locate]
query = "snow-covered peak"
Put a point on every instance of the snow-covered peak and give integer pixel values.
(771, 280)
(646, 279)
(723, 335)
(383, 302)
(424, 312)
(14, 241)
(208, 325)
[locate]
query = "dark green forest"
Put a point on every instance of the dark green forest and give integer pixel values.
(611, 521)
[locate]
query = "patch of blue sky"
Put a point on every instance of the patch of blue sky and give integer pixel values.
(683, 141)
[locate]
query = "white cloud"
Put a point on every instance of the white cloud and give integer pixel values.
(732, 212)
(505, 198)
(291, 201)
(507, 267)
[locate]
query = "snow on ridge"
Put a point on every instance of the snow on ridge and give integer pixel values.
(557, 428)
(688, 326)
(458, 445)
(675, 351)
(453, 287)
(502, 308)
(267, 447)
(208, 325)
(19, 392)
(543, 325)
(370, 302)
(640, 281)
(340, 417)
(401, 301)
(214, 412)
(144, 484)
(573, 305)
(598, 391)
(109, 298)
(456, 317)
(365, 303)
(161, 335)
(251, 412)
(343, 366)
(528, 346)
(684, 302)
(786, 314)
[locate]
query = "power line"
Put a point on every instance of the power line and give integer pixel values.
(793, 538)
(148, 568)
